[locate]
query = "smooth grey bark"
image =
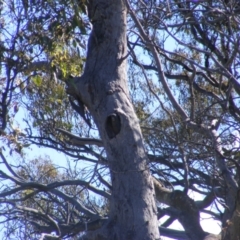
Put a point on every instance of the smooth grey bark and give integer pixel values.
(103, 89)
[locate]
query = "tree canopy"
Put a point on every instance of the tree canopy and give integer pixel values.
(183, 71)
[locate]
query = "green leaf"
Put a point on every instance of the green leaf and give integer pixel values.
(37, 80)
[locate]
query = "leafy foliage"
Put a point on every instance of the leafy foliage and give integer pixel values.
(188, 111)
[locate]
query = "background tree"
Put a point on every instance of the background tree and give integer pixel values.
(183, 73)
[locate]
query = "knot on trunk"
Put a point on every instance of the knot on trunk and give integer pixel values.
(113, 125)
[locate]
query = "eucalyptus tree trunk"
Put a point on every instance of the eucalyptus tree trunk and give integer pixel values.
(103, 90)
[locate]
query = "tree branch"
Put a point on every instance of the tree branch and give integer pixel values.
(161, 74)
(75, 140)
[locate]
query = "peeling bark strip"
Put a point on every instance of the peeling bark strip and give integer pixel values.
(103, 89)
